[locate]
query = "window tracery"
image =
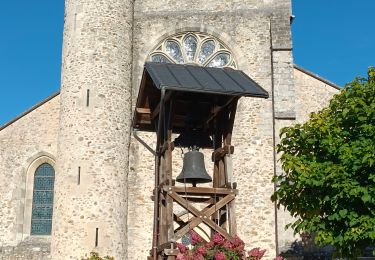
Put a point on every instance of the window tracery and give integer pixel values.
(193, 48)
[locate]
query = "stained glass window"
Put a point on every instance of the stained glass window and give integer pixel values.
(219, 60)
(41, 218)
(159, 58)
(193, 48)
(207, 49)
(190, 47)
(173, 49)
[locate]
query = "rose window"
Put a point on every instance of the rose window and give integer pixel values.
(193, 48)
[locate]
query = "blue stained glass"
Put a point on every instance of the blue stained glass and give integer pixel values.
(207, 49)
(41, 219)
(41, 227)
(43, 197)
(45, 170)
(44, 183)
(190, 47)
(220, 60)
(42, 212)
(173, 49)
(160, 58)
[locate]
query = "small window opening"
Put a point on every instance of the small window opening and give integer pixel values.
(79, 175)
(87, 97)
(96, 237)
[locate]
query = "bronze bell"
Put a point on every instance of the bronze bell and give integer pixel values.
(193, 170)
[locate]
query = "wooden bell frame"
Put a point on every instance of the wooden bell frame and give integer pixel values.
(167, 110)
(218, 214)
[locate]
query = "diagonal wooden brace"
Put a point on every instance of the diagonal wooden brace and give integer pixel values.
(201, 215)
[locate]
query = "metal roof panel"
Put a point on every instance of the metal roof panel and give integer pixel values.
(226, 81)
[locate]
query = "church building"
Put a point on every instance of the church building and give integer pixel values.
(77, 171)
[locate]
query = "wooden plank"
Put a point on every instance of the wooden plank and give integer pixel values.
(217, 109)
(231, 221)
(143, 110)
(219, 153)
(189, 226)
(168, 145)
(201, 190)
(217, 228)
(166, 245)
(163, 225)
(168, 169)
(184, 203)
(171, 252)
(221, 203)
(202, 216)
(156, 111)
(229, 125)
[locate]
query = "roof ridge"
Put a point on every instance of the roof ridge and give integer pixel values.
(316, 76)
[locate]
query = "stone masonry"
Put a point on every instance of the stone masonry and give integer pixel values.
(91, 213)
(244, 26)
(104, 177)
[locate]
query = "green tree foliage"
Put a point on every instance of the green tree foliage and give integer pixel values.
(328, 183)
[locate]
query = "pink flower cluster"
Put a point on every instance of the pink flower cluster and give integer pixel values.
(195, 238)
(218, 248)
(256, 253)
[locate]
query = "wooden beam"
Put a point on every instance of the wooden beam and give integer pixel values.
(195, 221)
(220, 152)
(143, 110)
(168, 145)
(201, 190)
(216, 110)
(156, 111)
(203, 216)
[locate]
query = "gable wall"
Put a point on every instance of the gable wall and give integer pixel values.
(22, 142)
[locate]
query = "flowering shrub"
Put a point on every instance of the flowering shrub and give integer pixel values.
(95, 256)
(218, 248)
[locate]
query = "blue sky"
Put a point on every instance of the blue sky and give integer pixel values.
(332, 38)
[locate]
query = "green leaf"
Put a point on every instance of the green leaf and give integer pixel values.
(366, 197)
(343, 212)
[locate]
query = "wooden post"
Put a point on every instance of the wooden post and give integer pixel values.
(232, 226)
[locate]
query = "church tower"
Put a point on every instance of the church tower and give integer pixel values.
(104, 177)
(90, 212)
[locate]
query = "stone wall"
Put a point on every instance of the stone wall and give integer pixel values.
(312, 94)
(23, 142)
(29, 249)
(244, 26)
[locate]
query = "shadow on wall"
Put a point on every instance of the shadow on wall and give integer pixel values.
(30, 248)
(306, 249)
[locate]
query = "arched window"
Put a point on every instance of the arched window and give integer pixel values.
(41, 217)
(193, 48)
